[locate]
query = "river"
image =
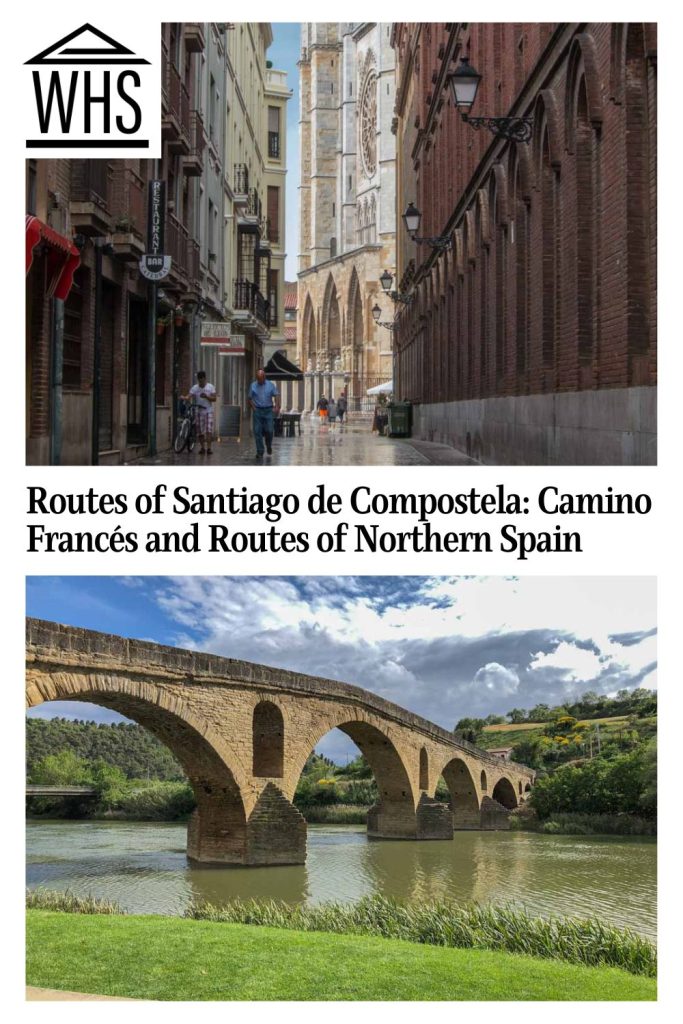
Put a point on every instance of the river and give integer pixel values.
(144, 868)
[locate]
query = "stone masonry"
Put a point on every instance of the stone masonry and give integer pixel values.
(243, 733)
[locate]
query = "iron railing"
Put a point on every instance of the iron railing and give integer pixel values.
(248, 296)
(274, 145)
(241, 182)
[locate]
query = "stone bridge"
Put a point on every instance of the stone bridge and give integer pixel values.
(243, 732)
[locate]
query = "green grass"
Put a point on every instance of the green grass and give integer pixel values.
(173, 958)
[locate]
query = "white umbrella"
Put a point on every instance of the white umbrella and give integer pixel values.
(381, 389)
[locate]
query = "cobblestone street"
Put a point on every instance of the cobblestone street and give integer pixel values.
(352, 444)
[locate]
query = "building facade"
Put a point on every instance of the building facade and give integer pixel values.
(347, 207)
(89, 351)
(533, 339)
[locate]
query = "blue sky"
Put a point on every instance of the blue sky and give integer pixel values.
(284, 53)
(444, 647)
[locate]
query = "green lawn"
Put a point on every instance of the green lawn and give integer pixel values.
(173, 958)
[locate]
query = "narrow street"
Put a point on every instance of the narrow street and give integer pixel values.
(352, 444)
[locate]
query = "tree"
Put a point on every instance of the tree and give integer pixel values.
(516, 716)
(63, 769)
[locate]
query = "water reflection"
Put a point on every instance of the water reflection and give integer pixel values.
(144, 867)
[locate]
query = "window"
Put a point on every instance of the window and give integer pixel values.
(274, 213)
(73, 331)
(274, 133)
(333, 247)
(211, 232)
(213, 101)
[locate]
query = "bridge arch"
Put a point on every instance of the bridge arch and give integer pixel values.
(393, 816)
(463, 794)
(504, 793)
(217, 830)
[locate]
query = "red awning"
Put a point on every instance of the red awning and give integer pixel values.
(62, 256)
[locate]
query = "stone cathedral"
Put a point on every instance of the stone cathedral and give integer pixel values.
(347, 208)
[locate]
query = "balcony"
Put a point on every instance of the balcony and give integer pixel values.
(194, 37)
(177, 238)
(251, 212)
(128, 213)
(175, 117)
(251, 308)
(240, 185)
(274, 145)
(90, 191)
(193, 164)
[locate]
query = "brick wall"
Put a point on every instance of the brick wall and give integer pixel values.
(551, 284)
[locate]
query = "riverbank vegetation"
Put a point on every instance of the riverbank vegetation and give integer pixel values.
(434, 923)
(178, 959)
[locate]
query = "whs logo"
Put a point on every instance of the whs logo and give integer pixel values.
(91, 92)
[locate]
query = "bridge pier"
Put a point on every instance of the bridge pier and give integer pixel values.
(434, 819)
(392, 819)
(275, 832)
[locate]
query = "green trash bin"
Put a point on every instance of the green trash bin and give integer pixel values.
(400, 419)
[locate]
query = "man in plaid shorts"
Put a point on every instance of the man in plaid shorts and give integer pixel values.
(205, 395)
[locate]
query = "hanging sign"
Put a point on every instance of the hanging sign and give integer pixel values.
(155, 265)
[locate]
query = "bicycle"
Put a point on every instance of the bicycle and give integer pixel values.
(187, 427)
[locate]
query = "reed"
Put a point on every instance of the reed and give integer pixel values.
(443, 923)
(69, 903)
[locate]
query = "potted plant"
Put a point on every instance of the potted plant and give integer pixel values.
(161, 324)
(178, 316)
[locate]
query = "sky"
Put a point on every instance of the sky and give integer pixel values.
(443, 647)
(284, 53)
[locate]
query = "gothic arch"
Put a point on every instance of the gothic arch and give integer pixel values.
(331, 322)
(309, 342)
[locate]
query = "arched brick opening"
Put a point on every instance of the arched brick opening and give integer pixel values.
(586, 221)
(548, 260)
(268, 738)
(637, 219)
(484, 782)
(218, 830)
(504, 793)
(424, 769)
(463, 794)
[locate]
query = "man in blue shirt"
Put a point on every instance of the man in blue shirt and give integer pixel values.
(262, 395)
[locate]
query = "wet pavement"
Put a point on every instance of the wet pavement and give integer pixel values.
(351, 444)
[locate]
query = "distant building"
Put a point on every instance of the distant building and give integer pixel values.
(347, 207)
(504, 753)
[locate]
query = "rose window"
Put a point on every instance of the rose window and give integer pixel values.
(368, 124)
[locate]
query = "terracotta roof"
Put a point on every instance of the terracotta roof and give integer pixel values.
(290, 332)
(290, 300)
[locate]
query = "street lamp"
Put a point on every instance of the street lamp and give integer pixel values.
(412, 218)
(386, 280)
(464, 83)
(390, 325)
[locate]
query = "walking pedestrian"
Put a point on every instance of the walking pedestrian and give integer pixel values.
(341, 408)
(322, 410)
(332, 412)
(265, 404)
(204, 394)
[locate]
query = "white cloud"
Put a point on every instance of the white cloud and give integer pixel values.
(496, 679)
